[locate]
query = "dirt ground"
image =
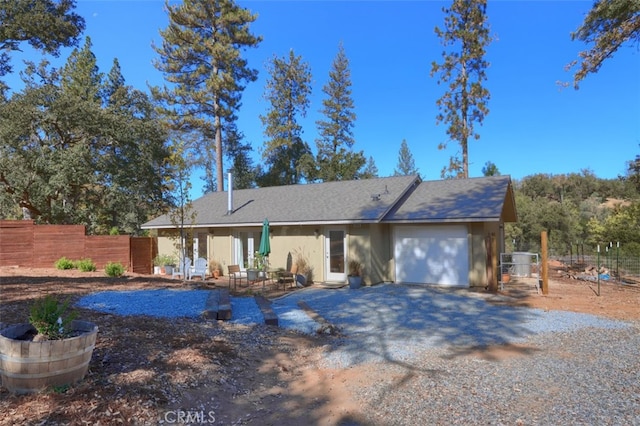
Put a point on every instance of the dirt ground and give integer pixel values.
(158, 371)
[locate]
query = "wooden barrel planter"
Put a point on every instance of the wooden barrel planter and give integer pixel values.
(27, 366)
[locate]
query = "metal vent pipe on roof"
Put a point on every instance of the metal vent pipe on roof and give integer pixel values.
(230, 193)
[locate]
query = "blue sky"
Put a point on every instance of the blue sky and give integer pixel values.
(534, 125)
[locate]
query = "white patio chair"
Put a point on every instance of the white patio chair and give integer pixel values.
(199, 268)
(183, 268)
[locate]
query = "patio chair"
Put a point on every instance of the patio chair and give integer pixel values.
(288, 276)
(236, 274)
(199, 269)
(184, 265)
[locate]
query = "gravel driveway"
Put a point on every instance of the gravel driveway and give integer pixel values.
(588, 376)
(395, 322)
(415, 347)
(382, 323)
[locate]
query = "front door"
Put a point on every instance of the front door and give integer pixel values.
(336, 255)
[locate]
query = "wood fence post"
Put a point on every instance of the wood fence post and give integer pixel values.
(545, 263)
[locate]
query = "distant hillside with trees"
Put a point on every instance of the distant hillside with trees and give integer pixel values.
(577, 208)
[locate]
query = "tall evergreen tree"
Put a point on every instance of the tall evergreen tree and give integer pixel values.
(134, 157)
(78, 122)
(463, 71)
(287, 91)
(607, 26)
(335, 159)
(490, 169)
(239, 155)
(370, 170)
(406, 166)
(80, 78)
(201, 60)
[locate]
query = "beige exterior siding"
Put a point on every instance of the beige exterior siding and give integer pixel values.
(380, 255)
(220, 248)
(166, 243)
(478, 252)
(371, 244)
(478, 255)
(461, 212)
(359, 248)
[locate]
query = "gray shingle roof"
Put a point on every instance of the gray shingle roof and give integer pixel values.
(475, 199)
(392, 199)
(356, 201)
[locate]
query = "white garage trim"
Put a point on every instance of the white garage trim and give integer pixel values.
(432, 254)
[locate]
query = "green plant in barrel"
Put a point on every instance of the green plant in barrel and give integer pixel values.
(51, 318)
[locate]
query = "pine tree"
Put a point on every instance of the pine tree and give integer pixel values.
(201, 59)
(370, 170)
(239, 154)
(287, 91)
(77, 109)
(608, 25)
(134, 159)
(490, 169)
(80, 76)
(406, 166)
(335, 159)
(463, 73)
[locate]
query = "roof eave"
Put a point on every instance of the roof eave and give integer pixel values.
(509, 211)
(274, 223)
(444, 220)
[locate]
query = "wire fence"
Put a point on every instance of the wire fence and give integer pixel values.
(616, 267)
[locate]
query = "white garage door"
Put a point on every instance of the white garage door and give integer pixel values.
(432, 255)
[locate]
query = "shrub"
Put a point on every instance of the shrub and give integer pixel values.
(49, 317)
(355, 268)
(86, 265)
(164, 260)
(64, 263)
(114, 269)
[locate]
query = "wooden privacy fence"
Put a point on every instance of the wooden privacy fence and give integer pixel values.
(23, 243)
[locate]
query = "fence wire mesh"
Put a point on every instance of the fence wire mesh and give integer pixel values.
(609, 266)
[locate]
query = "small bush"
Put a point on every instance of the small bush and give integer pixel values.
(114, 269)
(64, 263)
(49, 317)
(86, 265)
(164, 260)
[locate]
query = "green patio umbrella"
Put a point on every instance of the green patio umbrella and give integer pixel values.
(265, 246)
